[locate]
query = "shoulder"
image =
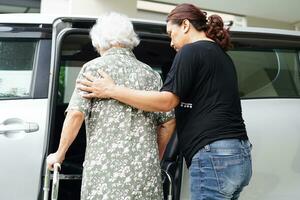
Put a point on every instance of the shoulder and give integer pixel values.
(188, 53)
(94, 64)
(149, 76)
(191, 50)
(188, 48)
(199, 46)
(148, 70)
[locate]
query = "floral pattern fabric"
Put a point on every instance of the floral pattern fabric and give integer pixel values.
(121, 160)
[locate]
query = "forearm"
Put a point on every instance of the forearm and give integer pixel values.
(165, 132)
(72, 124)
(145, 100)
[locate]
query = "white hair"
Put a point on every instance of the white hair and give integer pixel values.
(113, 29)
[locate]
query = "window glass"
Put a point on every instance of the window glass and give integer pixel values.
(67, 80)
(16, 62)
(267, 73)
(76, 51)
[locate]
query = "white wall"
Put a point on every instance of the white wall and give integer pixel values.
(129, 7)
(260, 22)
(96, 7)
(88, 7)
(60, 7)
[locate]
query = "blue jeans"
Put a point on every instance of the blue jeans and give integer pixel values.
(220, 170)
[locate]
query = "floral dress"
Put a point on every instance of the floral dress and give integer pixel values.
(121, 159)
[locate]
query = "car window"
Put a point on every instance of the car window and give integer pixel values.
(267, 73)
(77, 49)
(68, 73)
(16, 68)
(262, 73)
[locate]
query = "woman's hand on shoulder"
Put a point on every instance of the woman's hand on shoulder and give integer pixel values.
(96, 87)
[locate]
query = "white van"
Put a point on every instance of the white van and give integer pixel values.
(40, 58)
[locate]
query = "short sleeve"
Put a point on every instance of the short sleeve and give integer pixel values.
(179, 80)
(163, 117)
(77, 102)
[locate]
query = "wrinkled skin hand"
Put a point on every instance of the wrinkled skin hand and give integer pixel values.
(54, 158)
(96, 88)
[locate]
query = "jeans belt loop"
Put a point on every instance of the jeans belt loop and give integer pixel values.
(242, 142)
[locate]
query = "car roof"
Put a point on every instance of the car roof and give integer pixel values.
(36, 18)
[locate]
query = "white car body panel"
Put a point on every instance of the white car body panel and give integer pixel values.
(21, 153)
(274, 130)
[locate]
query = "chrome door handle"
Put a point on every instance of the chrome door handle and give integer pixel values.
(14, 125)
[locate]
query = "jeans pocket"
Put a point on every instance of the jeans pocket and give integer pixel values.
(233, 172)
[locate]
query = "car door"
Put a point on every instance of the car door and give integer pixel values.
(24, 78)
(268, 70)
(67, 42)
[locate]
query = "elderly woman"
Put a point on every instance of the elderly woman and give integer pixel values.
(121, 160)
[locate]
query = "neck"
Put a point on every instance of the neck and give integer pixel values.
(102, 51)
(198, 36)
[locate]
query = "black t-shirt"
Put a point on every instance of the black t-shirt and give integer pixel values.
(203, 76)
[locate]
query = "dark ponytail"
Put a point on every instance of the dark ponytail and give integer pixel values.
(213, 26)
(217, 32)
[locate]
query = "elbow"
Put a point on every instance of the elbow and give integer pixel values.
(166, 107)
(170, 102)
(74, 115)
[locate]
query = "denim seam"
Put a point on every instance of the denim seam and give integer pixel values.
(201, 179)
(215, 172)
(218, 177)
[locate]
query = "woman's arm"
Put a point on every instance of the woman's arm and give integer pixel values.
(144, 100)
(69, 132)
(165, 131)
